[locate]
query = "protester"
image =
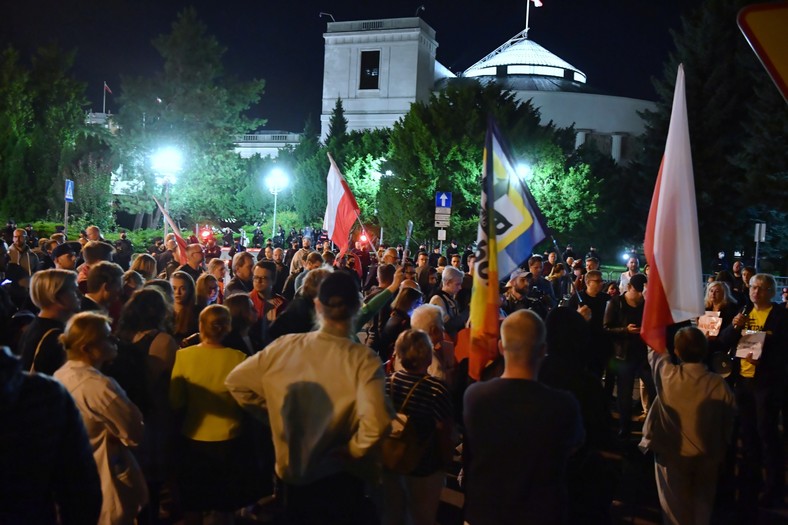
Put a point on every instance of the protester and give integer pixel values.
(48, 473)
(146, 355)
(187, 312)
(688, 428)
(327, 409)
(113, 422)
(414, 497)
(213, 474)
(760, 392)
(623, 319)
(56, 293)
(519, 435)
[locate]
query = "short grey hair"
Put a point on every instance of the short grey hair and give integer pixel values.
(450, 273)
(47, 284)
(427, 316)
(765, 278)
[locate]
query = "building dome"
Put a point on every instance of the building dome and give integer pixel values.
(520, 56)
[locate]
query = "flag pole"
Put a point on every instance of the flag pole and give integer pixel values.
(104, 91)
(527, 16)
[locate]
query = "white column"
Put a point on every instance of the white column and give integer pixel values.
(615, 146)
(581, 136)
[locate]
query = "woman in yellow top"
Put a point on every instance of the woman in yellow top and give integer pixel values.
(213, 456)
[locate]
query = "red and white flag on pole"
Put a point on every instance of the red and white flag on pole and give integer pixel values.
(106, 88)
(180, 252)
(672, 245)
(341, 208)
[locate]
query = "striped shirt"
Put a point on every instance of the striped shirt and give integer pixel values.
(429, 400)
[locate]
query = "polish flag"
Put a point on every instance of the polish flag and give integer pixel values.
(180, 251)
(341, 208)
(106, 88)
(537, 3)
(672, 246)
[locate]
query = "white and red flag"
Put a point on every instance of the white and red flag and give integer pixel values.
(106, 88)
(672, 245)
(341, 208)
(180, 251)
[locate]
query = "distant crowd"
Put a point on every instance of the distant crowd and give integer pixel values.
(313, 387)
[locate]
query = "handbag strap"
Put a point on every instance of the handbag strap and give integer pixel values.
(38, 347)
(410, 392)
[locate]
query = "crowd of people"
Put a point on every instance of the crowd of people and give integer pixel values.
(271, 383)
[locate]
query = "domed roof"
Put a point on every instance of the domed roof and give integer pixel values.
(520, 56)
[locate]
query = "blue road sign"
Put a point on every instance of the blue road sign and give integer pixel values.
(443, 199)
(69, 190)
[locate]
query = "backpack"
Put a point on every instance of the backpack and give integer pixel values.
(403, 448)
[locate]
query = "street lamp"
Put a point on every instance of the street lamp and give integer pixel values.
(524, 172)
(276, 181)
(167, 163)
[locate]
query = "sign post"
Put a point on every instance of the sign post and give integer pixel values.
(442, 214)
(69, 194)
(760, 236)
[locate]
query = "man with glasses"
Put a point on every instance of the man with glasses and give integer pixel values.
(591, 303)
(267, 304)
(760, 391)
(194, 259)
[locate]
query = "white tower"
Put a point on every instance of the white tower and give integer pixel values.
(378, 68)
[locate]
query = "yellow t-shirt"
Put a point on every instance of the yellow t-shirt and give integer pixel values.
(755, 322)
(197, 387)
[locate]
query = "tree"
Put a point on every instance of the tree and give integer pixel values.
(720, 70)
(438, 146)
(192, 104)
(41, 110)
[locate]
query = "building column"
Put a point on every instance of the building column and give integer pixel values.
(615, 146)
(580, 137)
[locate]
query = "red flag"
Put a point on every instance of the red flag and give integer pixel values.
(672, 245)
(341, 208)
(180, 252)
(106, 88)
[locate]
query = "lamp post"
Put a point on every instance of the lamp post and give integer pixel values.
(167, 163)
(276, 181)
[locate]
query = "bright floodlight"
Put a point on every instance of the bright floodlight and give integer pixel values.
(276, 180)
(524, 172)
(167, 162)
(625, 257)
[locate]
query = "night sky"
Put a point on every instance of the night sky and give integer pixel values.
(619, 44)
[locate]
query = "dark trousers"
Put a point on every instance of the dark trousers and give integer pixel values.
(759, 410)
(626, 373)
(333, 500)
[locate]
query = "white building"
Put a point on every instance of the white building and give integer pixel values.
(265, 143)
(380, 67)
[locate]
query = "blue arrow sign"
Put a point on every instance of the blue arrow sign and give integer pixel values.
(69, 190)
(443, 199)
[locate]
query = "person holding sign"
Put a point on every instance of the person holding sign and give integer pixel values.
(760, 334)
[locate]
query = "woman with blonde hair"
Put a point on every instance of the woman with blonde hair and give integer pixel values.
(185, 306)
(145, 265)
(413, 497)
(214, 457)
(112, 421)
(56, 294)
(207, 290)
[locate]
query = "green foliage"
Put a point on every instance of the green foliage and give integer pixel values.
(41, 121)
(736, 148)
(192, 104)
(439, 145)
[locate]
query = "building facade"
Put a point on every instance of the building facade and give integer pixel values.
(380, 67)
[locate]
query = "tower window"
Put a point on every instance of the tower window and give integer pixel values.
(370, 70)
